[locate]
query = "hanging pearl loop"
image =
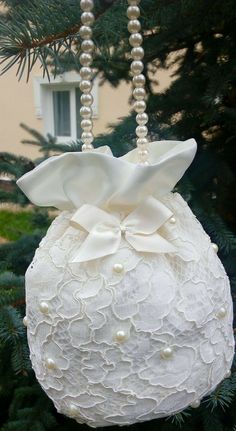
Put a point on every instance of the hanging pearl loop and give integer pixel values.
(136, 68)
(86, 84)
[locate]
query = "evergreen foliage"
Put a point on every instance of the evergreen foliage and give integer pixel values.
(199, 40)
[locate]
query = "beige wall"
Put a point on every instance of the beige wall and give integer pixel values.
(17, 104)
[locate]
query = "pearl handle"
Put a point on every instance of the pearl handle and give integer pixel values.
(86, 84)
(136, 68)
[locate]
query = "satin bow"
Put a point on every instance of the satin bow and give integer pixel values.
(105, 230)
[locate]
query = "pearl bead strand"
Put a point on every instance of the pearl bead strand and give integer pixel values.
(87, 47)
(136, 67)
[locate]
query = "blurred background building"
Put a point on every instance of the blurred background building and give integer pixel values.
(53, 107)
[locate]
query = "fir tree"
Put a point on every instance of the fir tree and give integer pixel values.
(199, 39)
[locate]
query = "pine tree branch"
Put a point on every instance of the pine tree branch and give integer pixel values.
(54, 38)
(29, 35)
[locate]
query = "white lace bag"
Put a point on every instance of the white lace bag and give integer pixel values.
(128, 306)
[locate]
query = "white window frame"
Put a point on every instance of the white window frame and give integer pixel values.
(43, 98)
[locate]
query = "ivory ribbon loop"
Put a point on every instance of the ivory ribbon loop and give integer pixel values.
(105, 230)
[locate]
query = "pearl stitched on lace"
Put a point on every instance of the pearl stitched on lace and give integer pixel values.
(160, 302)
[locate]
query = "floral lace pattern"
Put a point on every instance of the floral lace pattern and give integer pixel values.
(159, 301)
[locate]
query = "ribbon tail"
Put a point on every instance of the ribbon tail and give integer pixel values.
(148, 217)
(154, 243)
(97, 244)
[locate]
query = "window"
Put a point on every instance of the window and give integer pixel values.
(58, 104)
(61, 113)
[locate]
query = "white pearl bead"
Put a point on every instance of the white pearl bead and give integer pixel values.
(86, 125)
(120, 336)
(142, 119)
(50, 364)
(143, 155)
(85, 112)
(44, 308)
(195, 404)
(73, 410)
(25, 321)
(134, 26)
(86, 99)
(87, 147)
(172, 220)
(87, 137)
(136, 67)
(227, 374)
(133, 12)
(87, 18)
(85, 59)
(85, 32)
(144, 163)
(221, 313)
(137, 53)
(139, 106)
(167, 353)
(215, 247)
(87, 45)
(142, 143)
(135, 39)
(85, 86)
(118, 267)
(86, 73)
(141, 131)
(86, 5)
(139, 80)
(139, 93)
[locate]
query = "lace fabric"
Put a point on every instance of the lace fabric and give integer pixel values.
(130, 336)
(159, 301)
